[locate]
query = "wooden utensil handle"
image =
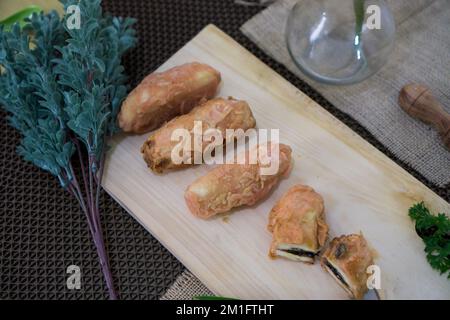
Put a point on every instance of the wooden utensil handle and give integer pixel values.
(418, 101)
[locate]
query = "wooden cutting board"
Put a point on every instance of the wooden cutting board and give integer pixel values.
(363, 191)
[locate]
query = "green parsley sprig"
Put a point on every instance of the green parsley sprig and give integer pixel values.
(435, 233)
(62, 89)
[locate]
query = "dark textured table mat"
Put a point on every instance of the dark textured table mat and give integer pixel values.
(42, 230)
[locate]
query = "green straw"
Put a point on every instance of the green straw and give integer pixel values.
(358, 6)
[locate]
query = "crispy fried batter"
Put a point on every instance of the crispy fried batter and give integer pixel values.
(163, 96)
(232, 185)
(347, 259)
(218, 114)
(297, 223)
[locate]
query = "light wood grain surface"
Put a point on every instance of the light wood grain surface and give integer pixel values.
(363, 191)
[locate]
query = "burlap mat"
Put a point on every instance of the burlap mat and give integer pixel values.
(186, 287)
(421, 55)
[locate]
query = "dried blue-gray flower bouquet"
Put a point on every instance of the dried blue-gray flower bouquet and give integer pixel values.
(62, 88)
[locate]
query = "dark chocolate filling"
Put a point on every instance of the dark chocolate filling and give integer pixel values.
(300, 252)
(336, 273)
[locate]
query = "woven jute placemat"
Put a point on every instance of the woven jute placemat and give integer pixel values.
(421, 55)
(186, 287)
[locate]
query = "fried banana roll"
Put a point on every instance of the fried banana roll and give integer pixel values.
(347, 259)
(220, 114)
(297, 222)
(233, 185)
(163, 96)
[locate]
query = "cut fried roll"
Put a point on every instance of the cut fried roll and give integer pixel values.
(162, 96)
(233, 185)
(297, 223)
(220, 114)
(346, 259)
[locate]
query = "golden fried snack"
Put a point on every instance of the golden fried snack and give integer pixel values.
(347, 259)
(220, 114)
(163, 96)
(297, 222)
(233, 185)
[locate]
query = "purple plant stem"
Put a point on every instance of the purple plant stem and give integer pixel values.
(77, 191)
(83, 168)
(73, 190)
(97, 235)
(99, 179)
(104, 261)
(90, 195)
(93, 218)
